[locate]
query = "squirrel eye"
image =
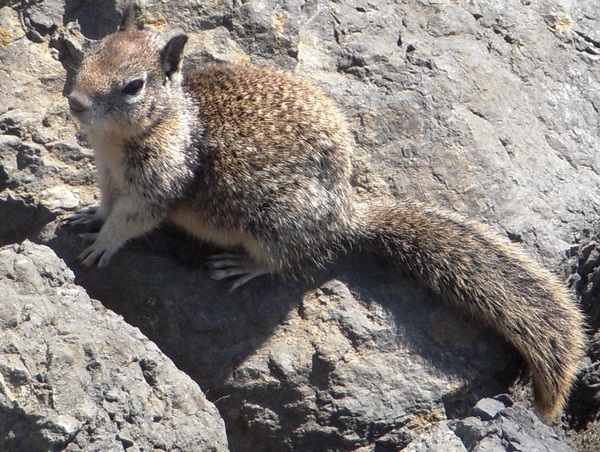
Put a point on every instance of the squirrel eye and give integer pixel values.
(133, 87)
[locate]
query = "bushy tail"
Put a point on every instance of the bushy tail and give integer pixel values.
(475, 270)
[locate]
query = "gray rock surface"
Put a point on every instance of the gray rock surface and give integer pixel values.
(488, 109)
(74, 376)
(356, 359)
(508, 428)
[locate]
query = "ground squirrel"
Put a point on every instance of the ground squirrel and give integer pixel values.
(258, 160)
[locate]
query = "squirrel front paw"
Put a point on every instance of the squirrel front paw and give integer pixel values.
(88, 219)
(100, 252)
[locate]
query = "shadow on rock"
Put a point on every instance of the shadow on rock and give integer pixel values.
(346, 360)
(21, 220)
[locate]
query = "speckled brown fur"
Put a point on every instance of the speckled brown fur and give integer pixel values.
(256, 159)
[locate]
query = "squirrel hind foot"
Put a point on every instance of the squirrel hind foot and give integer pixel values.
(237, 267)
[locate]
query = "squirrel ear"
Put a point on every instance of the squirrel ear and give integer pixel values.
(172, 54)
(128, 19)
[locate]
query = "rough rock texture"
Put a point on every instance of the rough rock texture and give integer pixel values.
(491, 426)
(74, 376)
(584, 264)
(488, 109)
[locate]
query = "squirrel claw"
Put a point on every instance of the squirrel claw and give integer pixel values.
(238, 267)
(87, 219)
(95, 255)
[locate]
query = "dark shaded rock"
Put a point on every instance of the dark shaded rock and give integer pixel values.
(583, 266)
(21, 219)
(585, 275)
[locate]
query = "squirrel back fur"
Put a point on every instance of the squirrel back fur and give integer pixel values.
(256, 159)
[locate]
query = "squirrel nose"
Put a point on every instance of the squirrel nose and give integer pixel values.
(78, 103)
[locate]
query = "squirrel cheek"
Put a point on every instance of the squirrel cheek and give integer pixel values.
(82, 117)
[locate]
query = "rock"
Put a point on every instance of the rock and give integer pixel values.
(513, 428)
(8, 158)
(303, 366)
(439, 438)
(518, 429)
(583, 265)
(21, 218)
(487, 409)
(59, 198)
(75, 376)
(488, 109)
(469, 430)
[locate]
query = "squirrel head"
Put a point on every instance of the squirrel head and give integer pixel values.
(127, 80)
